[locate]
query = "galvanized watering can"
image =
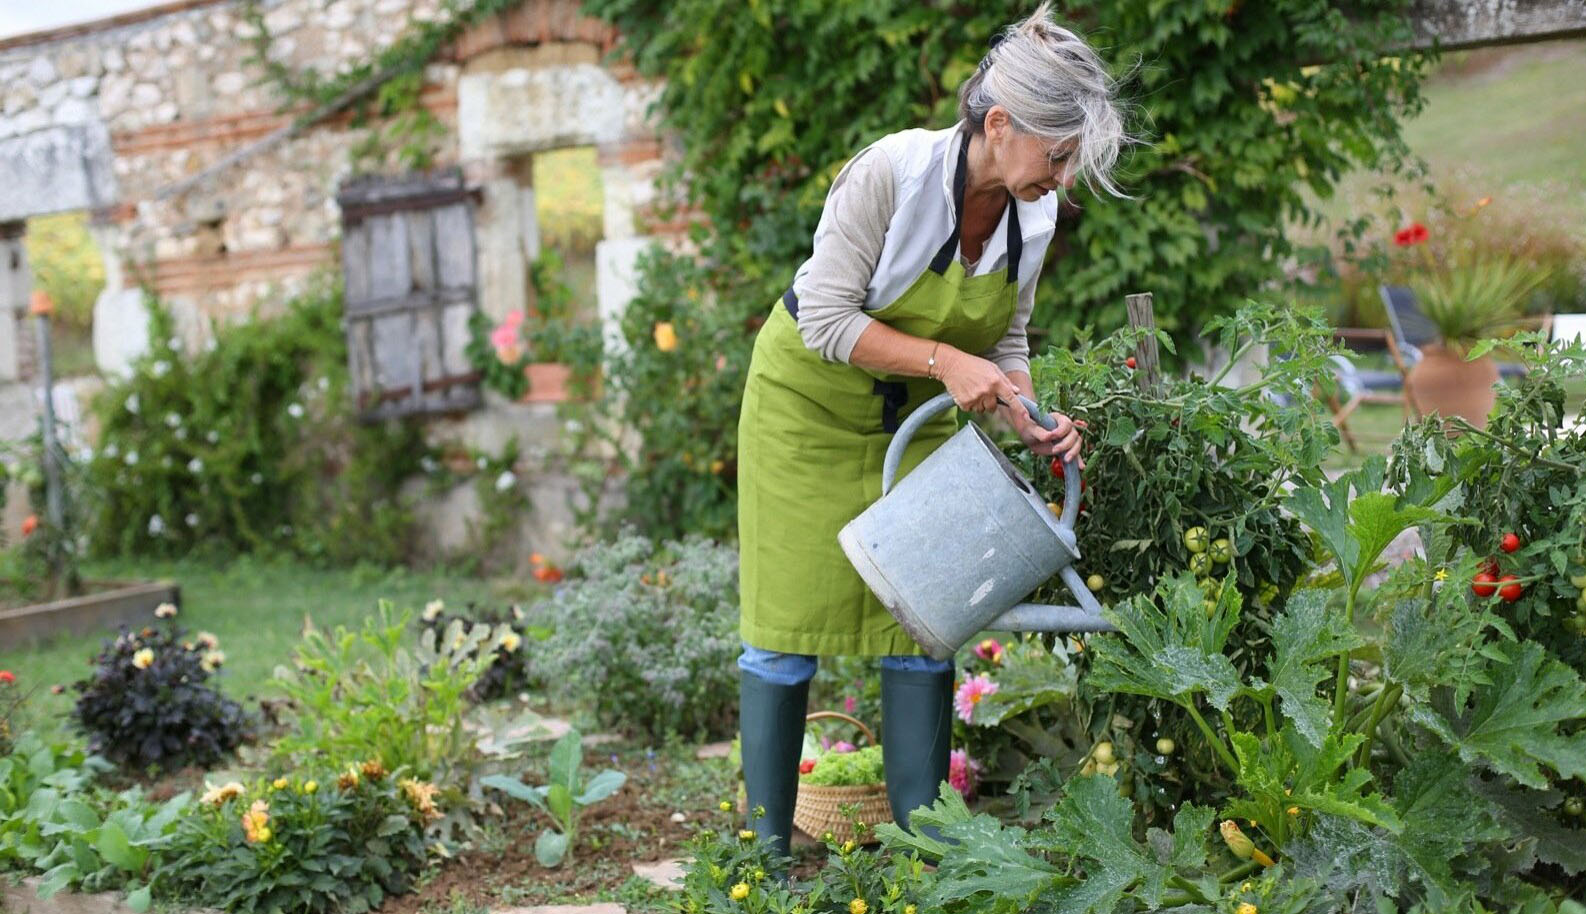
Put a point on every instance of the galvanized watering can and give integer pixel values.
(964, 537)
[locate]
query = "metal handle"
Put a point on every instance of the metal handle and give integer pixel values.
(933, 407)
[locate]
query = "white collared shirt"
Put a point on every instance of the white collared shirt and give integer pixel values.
(886, 215)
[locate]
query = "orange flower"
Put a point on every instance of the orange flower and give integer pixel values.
(30, 524)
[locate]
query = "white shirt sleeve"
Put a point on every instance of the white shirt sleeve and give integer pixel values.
(834, 282)
(1012, 352)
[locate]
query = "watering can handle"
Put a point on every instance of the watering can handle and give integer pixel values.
(933, 407)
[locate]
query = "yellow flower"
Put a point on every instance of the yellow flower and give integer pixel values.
(740, 891)
(848, 846)
(510, 640)
(216, 795)
(310, 786)
(857, 906)
(724, 806)
(758, 874)
(908, 909)
(433, 609)
(1441, 575)
(745, 835)
(348, 779)
(422, 795)
(211, 660)
(279, 783)
(1241, 845)
(255, 822)
(143, 659)
(1247, 908)
(665, 337)
(208, 640)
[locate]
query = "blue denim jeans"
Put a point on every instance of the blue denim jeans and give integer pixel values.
(791, 669)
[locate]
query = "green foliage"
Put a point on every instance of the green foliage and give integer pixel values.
(55, 822)
(1193, 453)
(149, 702)
(1473, 301)
(344, 846)
(680, 402)
(1525, 473)
(66, 264)
(770, 99)
(369, 695)
(563, 798)
(248, 446)
(511, 669)
(645, 635)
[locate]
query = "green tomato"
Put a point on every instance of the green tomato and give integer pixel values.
(1579, 580)
(1222, 551)
(1165, 746)
(1575, 807)
(1267, 593)
(1095, 582)
(1195, 539)
(1102, 753)
(1200, 564)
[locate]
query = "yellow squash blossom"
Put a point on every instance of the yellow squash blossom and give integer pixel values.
(1241, 845)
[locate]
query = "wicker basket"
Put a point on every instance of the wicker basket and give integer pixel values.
(819, 807)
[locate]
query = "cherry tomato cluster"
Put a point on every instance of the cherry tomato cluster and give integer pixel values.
(1488, 581)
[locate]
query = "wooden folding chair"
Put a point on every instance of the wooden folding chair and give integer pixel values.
(1365, 386)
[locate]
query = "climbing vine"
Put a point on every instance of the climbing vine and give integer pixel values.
(383, 90)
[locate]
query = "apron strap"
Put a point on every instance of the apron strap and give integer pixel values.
(894, 396)
(1015, 242)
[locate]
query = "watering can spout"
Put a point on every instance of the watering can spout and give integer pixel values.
(1039, 617)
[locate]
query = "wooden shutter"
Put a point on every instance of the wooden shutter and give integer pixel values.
(410, 290)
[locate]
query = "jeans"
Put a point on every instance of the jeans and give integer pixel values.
(791, 669)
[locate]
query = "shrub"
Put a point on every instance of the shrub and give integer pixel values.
(342, 843)
(149, 702)
(250, 445)
(510, 661)
(648, 635)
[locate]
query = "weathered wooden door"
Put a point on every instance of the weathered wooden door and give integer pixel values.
(410, 291)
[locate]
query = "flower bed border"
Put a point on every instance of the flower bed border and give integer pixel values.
(127, 602)
(23, 898)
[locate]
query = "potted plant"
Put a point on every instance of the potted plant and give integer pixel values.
(1467, 302)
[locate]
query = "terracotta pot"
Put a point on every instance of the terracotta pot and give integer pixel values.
(547, 382)
(1444, 383)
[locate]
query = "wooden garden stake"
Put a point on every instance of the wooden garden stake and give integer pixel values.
(1148, 373)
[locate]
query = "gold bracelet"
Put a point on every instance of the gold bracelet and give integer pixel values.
(930, 364)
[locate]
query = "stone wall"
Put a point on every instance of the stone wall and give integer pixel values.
(110, 116)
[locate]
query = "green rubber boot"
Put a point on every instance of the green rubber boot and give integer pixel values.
(916, 737)
(771, 727)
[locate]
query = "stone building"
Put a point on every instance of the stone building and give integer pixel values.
(158, 124)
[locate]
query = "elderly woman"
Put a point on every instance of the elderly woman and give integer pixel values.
(922, 278)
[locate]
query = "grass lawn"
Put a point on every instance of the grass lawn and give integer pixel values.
(256, 608)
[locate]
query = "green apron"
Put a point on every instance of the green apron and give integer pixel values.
(811, 439)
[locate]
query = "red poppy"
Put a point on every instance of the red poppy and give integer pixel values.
(1414, 233)
(7, 677)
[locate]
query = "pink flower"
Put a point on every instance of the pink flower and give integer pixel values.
(989, 649)
(849, 704)
(504, 336)
(970, 693)
(513, 319)
(963, 772)
(843, 746)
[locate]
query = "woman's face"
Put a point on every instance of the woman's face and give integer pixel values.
(1028, 166)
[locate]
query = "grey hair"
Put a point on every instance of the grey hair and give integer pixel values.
(1053, 85)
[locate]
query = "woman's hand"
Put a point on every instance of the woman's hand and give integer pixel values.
(1061, 441)
(977, 385)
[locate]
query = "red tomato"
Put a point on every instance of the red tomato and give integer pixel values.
(1510, 542)
(1484, 584)
(1057, 467)
(1129, 361)
(1511, 589)
(806, 766)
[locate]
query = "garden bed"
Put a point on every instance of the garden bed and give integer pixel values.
(108, 605)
